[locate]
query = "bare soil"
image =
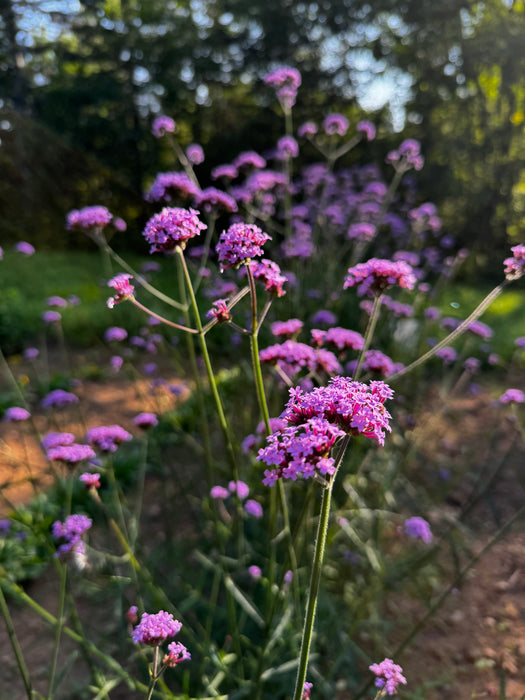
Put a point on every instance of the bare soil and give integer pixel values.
(476, 639)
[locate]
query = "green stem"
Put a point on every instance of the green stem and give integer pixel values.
(161, 318)
(154, 672)
(369, 333)
(209, 370)
(58, 631)
(17, 650)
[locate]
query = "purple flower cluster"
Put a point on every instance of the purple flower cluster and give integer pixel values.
(378, 363)
(512, 396)
(124, 290)
(212, 199)
(70, 533)
(162, 125)
(146, 420)
(107, 438)
(167, 185)
(153, 629)
(14, 414)
(515, 266)
(58, 398)
(407, 156)
(172, 227)
(287, 147)
(362, 232)
(335, 124)
(418, 528)
(287, 81)
(195, 154)
(316, 420)
(389, 676)
(286, 329)
(375, 275)
(340, 338)
(177, 652)
(239, 244)
(90, 481)
(25, 248)
(115, 333)
(300, 450)
(249, 159)
(292, 357)
(269, 273)
(220, 312)
(88, 218)
(366, 128)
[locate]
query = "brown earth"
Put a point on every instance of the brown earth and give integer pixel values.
(476, 639)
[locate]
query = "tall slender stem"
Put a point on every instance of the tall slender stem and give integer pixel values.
(58, 630)
(17, 650)
(369, 333)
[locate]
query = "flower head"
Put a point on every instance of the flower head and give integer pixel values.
(389, 676)
(54, 439)
(25, 248)
(171, 228)
(72, 453)
(220, 312)
(269, 273)
(15, 414)
(69, 534)
(167, 185)
(177, 652)
(512, 396)
(335, 124)
(367, 129)
(146, 420)
(195, 154)
(88, 218)
(162, 125)
(155, 628)
(239, 244)
(107, 438)
(90, 481)
(375, 275)
(418, 528)
(212, 199)
(124, 290)
(515, 266)
(51, 317)
(58, 398)
(115, 333)
(255, 572)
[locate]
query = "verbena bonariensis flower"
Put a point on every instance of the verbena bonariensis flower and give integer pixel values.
(375, 275)
(88, 218)
(58, 398)
(269, 273)
(195, 154)
(228, 172)
(307, 689)
(90, 481)
(107, 438)
(240, 488)
(341, 338)
(31, 353)
(124, 290)
(307, 129)
(377, 362)
(253, 508)
(239, 244)
(512, 396)
(361, 232)
(172, 227)
(335, 124)
(25, 248)
(146, 420)
(60, 302)
(389, 676)
(162, 125)
(249, 159)
(448, 354)
(221, 312)
(286, 80)
(167, 185)
(515, 266)
(71, 453)
(212, 199)
(153, 629)
(418, 528)
(286, 329)
(366, 128)
(255, 572)
(354, 407)
(15, 414)
(480, 329)
(219, 492)
(287, 147)
(177, 652)
(69, 533)
(115, 333)
(292, 357)
(407, 156)
(300, 450)
(51, 317)
(55, 439)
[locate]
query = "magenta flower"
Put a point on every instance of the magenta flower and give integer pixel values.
(107, 438)
(249, 159)
(389, 676)
(340, 338)
(335, 124)
(31, 353)
(253, 508)
(60, 302)
(219, 493)
(115, 333)
(195, 154)
(448, 354)
(221, 312)
(16, 414)
(376, 275)
(287, 329)
(480, 329)
(418, 528)
(228, 172)
(177, 652)
(131, 615)
(69, 534)
(155, 628)
(287, 147)
(88, 218)
(167, 185)
(407, 156)
(51, 317)
(366, 128)
(72, 453)
(171, 228)
(25, 248)
(240, 488)
(292, 357)
(286, 80)
(307, 129)
(54, 439)
(146, 420)
(162, 125)
(212, 199)
(307, 689)
(90, 481)
(515, 266)
(255, 572)
(361, 232)
(269, 273)
(58, 398)
(124, 290)
(239, 244)
(512, 396)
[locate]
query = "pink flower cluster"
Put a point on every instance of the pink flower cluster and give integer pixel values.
(172, 227)
(515, 266)
(155, 628)
(389, 676)
(239, 244)
(88, 218)
(167, 185)
(269, 273)
(340, 338)
(69, 533)
(292, 357)
(375, 275)
(162, 125)
(123, 289)
(107, 438)
(287, 81)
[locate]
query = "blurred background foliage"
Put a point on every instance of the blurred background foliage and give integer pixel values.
(81, 81)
